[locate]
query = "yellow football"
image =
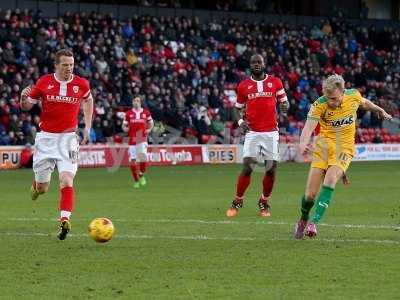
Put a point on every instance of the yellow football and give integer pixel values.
(101, 230)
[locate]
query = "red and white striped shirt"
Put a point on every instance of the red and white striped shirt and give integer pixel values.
(259, 99)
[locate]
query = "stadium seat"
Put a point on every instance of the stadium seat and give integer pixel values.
(289, 139)
(117, 139)
(208, 138)
(229, 124)
(205, 138)
(385, 131)
(386, 138)
(367, 138)
(190, 131)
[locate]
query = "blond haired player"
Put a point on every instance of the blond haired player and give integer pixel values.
(336, 112)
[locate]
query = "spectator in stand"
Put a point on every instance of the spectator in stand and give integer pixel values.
(217, 126)
(4, 138)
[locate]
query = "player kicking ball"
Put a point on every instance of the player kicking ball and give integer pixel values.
(257, 97)
(57, 145)
(333, 150)
(138, 124)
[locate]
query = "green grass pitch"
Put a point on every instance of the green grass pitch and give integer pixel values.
(173, 240)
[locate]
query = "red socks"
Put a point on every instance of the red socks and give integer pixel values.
(268, 184)
(134, 171)
(241, 186)
(137, 172)
(244, 181)
(142, 166)
(67, 201)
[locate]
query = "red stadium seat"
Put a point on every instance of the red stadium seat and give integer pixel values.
(289, 139)
(385, 131)
(229, 124)
(386, 138)
(205, 138)
(296, 139)
(367, 138)
(213, 139)
(208, 138)
(190, 131)
(300, 125)
(117, 139)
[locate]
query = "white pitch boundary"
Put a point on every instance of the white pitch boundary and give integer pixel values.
(223, 222)
(203, 238)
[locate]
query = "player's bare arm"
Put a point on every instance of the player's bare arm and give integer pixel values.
(284, 106)
(149, 126)
(305, 146)
(243, 125)
(87, 106)
(368, 105)
(125, 126)
(26, 104)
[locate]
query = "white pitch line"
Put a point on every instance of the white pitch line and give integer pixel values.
(363, 226)
(203, 238)
(193, 221)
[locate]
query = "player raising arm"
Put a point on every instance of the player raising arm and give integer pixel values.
(57, 145)
(333, 150)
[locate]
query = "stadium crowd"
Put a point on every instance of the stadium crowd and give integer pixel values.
(186, 70)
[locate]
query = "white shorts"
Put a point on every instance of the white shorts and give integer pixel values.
(55, 149)
(261, 145)
(138, 151)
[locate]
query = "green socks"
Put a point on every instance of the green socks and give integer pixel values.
(305, 208)
(324, 197)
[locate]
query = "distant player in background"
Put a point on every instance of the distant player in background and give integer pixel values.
(138, 124)
(60, 95)
(258, 96)
(333, 150)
